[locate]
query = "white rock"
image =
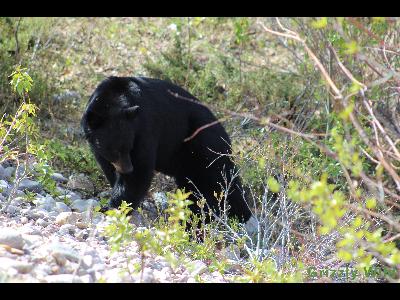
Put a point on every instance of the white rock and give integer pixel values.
(17, 201)
(11, 238)
(36, 214)
(2, 172)
(87, 261)
(115, 275)
(47, 203)
(82, 225)
(80, 182)
(63, 278)
(86, 278)
(62, 207)
(60, 252)
(12, 210)
(20, 266)
(9, 172)
(67, 218)
(30, 185)
(251, 226)
(59, 178)
(197, 268)
(24, 220)
(83, 205)
(231, 252)
(67, 229)
(3, 186)
(161, 200)
(41, 222)
(72, 196)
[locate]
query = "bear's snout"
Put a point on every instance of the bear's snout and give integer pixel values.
(123, 166)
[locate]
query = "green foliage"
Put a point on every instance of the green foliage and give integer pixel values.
(118, 230)
(21, 82)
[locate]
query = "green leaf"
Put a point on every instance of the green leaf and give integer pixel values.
(320, 23)
(370, 203)
(273, 184)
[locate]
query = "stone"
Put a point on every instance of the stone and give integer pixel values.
(82, 235)
(147, 276)
(4, 186)
(12, 210)
(232, 252)
(9, 172)
(12, 238)
(251, 226)
(115, 275)
(41, 222)
(161, 200)
(82, 225)
(62, 207)
(87, 261)
(20, 266)
(36, 213)
(2, 198)
(67, 229)
(29, 185)
(105, 194)
(61, 252)
(2, 173)
(197, 268)
(59, 178)
(83, 205)
(24, 220)
(17, 201)
(86, 278)
(67, 218)
(63, 278)
(80, 182)
(47, 203)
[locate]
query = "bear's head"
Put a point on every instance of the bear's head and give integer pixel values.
(108, 125)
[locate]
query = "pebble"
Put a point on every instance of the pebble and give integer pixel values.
(67, 218)
(3, 186)
(105, 194)
(80, 182)
(87, 261)
(62, 207)
(63, 252)
(2, 173)
(63, 278)
(67, 229)
(197, 268)
(83, 205)
(41, 222)
(24, 220)
(9, 172)
(36, 214)
(251, 226)
(59, 178)
(12, 238)
(11, 209)
(46, 203)
(30, 185)
(20, 266)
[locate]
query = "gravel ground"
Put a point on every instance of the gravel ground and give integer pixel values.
(47, 240)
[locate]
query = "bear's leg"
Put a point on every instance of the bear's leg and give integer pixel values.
(107, 168)
(132, 187)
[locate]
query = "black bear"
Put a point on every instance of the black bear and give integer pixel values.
(138, 125)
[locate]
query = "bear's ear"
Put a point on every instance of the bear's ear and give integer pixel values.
(131, 112)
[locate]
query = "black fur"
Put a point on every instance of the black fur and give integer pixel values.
(137, 124)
